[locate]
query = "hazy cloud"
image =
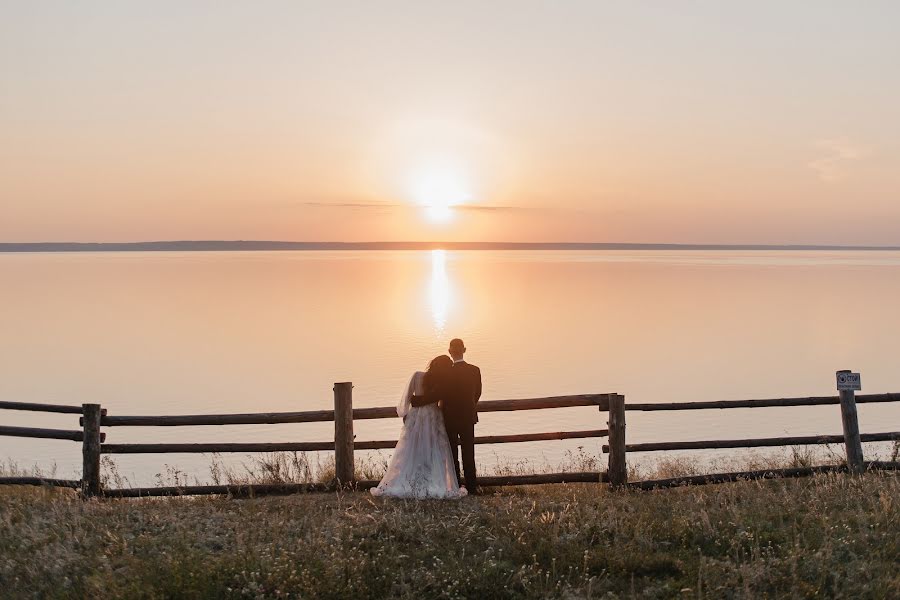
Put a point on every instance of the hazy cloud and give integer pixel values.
(487, 207)
(838, 155)
(382, 205)
(350, 204)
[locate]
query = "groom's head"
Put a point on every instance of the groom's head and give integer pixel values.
(457, 349)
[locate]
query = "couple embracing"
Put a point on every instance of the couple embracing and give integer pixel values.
(439, 414)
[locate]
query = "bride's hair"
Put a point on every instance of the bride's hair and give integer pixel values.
(440, 363)
(438, 369)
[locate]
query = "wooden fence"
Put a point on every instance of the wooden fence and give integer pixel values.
(343, 445)
(93, 418)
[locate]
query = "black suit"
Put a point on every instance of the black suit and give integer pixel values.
(460, 415)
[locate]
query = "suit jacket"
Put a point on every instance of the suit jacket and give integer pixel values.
(462, 395)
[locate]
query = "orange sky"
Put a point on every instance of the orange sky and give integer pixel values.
(586, 121)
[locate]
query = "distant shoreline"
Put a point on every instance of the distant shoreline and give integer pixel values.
(251, 245)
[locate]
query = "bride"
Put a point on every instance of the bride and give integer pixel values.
(422, 466)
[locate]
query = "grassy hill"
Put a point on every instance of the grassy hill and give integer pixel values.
(824, 536)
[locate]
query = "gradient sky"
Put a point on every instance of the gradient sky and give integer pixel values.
(718, 122)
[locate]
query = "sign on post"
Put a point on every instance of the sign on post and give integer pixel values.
(847, 381)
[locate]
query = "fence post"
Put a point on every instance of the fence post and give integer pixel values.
(850, 422)
(616, 470)
(343, 433)
(90, 450)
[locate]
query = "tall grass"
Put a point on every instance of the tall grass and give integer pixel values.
(302, 467)
(824, 536)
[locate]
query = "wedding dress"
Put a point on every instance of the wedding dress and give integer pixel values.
(422, 466)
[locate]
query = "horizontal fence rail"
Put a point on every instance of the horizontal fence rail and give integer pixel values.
(384, 412)
(217, 447)
(762, 403)
(54, 408)
(250, 490)
(752, 475)
(326, 446)
(309, 416)
(312, 416)
(236, 491)
(756, 443)
(39, 481)
(76, 435)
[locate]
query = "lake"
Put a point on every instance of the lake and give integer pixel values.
(146, 333)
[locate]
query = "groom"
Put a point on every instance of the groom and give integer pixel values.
(460, 413)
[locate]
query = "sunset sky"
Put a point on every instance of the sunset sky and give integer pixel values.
(698, 122)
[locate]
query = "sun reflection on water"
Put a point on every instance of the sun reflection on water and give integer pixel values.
(440, 290)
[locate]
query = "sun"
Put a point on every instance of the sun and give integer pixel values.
(438, 187)
(436, 165)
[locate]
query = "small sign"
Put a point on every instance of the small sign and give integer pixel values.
(847, 381)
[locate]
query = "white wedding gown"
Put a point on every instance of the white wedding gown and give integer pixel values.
(422, 466)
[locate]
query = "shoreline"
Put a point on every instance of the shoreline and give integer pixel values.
(268, 246)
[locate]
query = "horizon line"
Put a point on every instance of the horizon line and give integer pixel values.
(272, 245)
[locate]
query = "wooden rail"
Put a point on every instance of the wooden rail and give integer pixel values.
(40, 481)
(54, 408)
(756, 442)
(326, 446)
(312, 416)
(250, 490)
(236, 491)
(600, 400)
(761, 403)
(36, 432)
(752, 475)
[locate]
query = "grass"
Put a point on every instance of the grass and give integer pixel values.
(833, 536)
(301, 467)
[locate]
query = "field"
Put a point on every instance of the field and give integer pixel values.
(825, 536)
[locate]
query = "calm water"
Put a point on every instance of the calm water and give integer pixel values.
(174, 333)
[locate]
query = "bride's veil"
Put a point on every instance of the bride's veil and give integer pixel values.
(405, 400)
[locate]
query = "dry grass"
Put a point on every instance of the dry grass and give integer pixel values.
(825, 536)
